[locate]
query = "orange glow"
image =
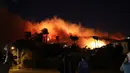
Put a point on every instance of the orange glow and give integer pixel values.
(92, 43)
(48, 39)
(96, 44)
(63, 29)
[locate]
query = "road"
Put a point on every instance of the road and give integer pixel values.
(33, 71)
(54, 71)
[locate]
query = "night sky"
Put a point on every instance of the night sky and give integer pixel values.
(110, 16)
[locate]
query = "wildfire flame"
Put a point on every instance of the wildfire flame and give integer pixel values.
(92, 43)
(63, 29)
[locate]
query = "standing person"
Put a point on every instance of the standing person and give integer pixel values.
(1, 62)
(74, 64)
(125, 67)
(61, 68)
(1, 56)
(67, 64)
(64, 65)
(83, 66)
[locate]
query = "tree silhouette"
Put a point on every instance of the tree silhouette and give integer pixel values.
(20, 44)
(96, 38)
(37, 37)
(45, 31)
(57, 38)
(74, 38)
(28, 35)
(45, 34)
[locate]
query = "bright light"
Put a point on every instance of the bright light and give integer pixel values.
(65, 46)
(96, 44)
(128, 37)
(92, 45)
(100, 44)
(48, 39)
(12, 48)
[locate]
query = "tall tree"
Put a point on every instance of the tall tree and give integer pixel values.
(28, 35)
(96, 37)
(96, 42)
(74, 38)
(45, 34)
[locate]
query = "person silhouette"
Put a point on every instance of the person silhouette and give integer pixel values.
(8, 60)
(83, 66)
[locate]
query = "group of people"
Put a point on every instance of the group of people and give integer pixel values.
(71, 66)
(67, 65)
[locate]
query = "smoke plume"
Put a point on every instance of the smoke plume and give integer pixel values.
(13, 28)
(59, 27)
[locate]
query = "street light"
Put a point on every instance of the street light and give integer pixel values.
(12, 48)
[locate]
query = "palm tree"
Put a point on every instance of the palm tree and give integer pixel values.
(96, 38)
(74, 38)
(74, 47)
(45, 34)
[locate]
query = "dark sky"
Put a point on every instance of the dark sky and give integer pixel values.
(111, 16)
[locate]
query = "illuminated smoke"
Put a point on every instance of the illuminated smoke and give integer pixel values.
(13, 28)
(63, 29)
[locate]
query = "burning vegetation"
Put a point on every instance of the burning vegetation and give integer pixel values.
(58, 29)
(66, 32)
(54, 30)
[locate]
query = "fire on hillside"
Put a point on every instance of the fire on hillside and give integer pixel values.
(64, 30)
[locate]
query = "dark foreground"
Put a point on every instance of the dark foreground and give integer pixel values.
(54, 71)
